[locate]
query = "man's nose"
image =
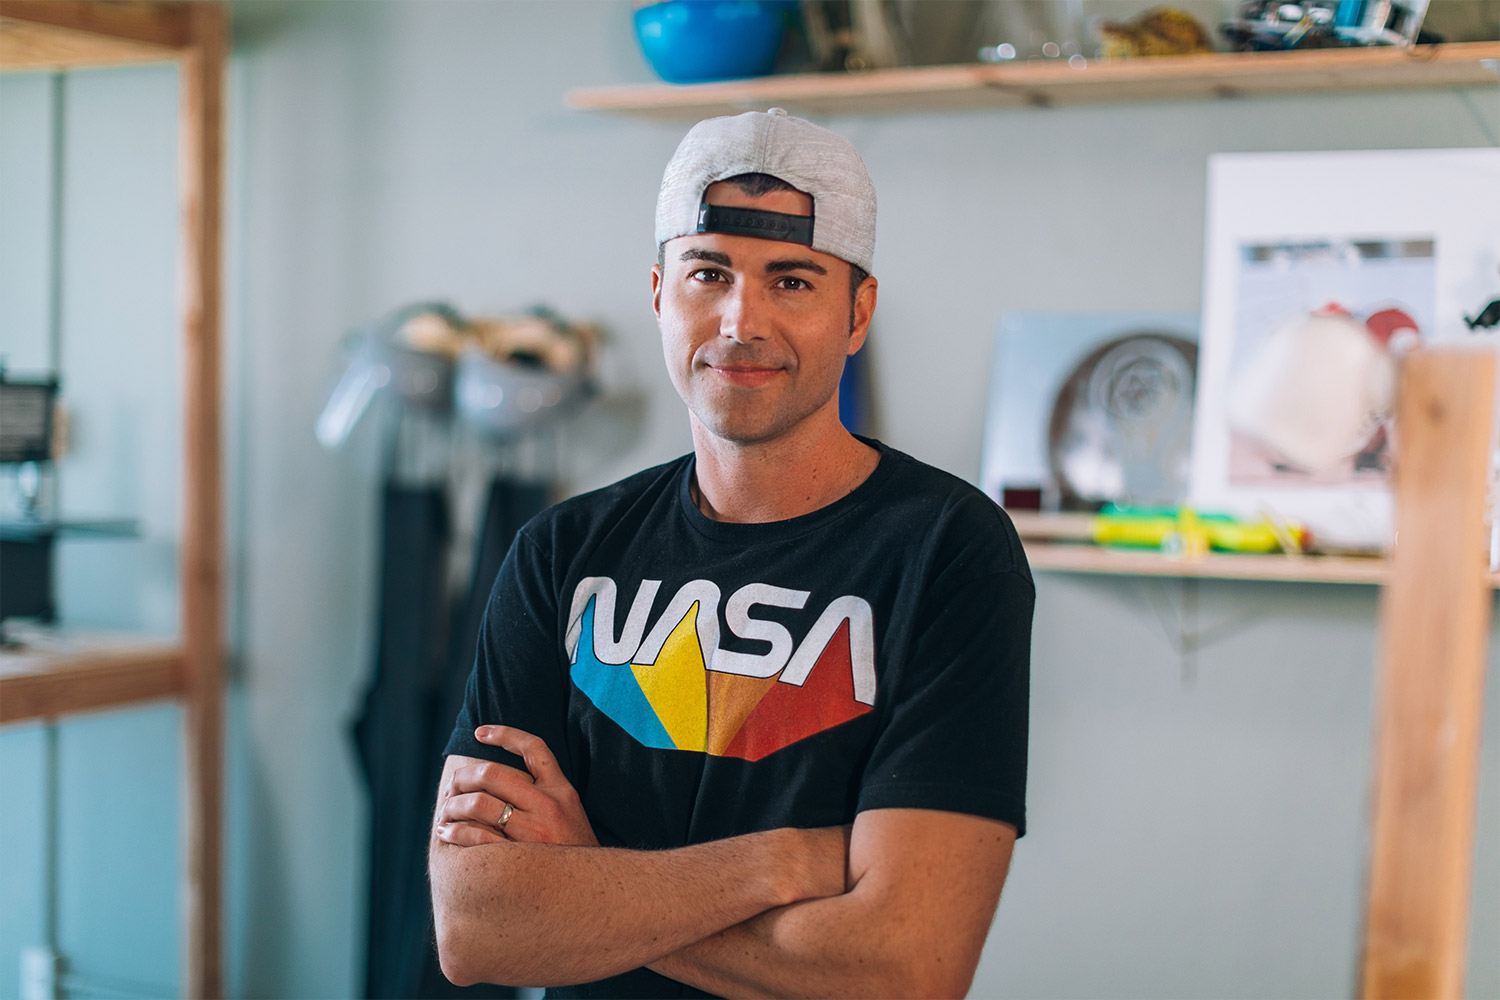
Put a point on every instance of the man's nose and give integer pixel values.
(744, 315)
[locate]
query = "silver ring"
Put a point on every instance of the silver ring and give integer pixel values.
(504, 816)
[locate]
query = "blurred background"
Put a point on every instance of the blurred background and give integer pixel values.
(1201, 751)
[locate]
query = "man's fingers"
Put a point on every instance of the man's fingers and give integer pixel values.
(475, 807)
(547, 809)
(468, 834)
(468, 820)
(532, 749)
(494, 779)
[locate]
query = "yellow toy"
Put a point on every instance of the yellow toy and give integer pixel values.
(1184, 531)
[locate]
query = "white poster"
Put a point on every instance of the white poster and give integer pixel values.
(1406, 242)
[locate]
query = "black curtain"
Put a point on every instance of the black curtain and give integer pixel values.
(425, 651)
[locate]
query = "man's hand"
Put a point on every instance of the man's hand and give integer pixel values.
(544, 806)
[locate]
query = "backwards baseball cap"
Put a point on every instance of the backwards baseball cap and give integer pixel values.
(809, 157)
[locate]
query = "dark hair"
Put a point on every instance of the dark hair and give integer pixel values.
(756, 185)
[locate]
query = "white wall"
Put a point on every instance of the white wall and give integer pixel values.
(1197, 822)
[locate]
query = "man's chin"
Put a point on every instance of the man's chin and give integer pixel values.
(736, 419)
(742, 429)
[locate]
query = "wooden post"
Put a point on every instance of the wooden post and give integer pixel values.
(1434, 624)
(201, 74)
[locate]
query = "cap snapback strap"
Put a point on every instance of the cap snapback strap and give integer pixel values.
(754, 222)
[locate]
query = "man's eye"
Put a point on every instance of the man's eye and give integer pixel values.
(793, 284)
(707, 274)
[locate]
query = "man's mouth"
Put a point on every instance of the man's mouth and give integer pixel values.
(749, 375)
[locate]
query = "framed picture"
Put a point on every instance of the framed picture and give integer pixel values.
(1404, 242)
(1086, 407)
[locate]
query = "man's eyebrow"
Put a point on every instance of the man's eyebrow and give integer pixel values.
(795, 264)
(712, 256)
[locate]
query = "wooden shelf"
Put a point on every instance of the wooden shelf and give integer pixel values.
(59, 34)
(1060, 543)
(81, 674)
(1065, 558)
(999, 86)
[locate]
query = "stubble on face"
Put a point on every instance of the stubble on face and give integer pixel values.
(753, 377)
(758, 347)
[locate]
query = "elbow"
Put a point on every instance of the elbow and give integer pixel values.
(460, 937)
(929, 978)
(470, 949)
(929, 987)
(454, 973)
(454, 956)
(452, 943)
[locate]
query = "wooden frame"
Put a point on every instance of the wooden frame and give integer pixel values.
(1053, 83)
(88, 674)
(61, 34)
(1435, 617)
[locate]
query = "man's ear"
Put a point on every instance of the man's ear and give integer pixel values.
(656, 292)
(864, 310)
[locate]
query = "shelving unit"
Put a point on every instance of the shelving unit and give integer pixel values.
(85, 674)
(1056, 83)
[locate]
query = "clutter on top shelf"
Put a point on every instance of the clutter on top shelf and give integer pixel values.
(854, 35)
(1163, 31)
(1262, 25)
(693, 41)
(1035, 31)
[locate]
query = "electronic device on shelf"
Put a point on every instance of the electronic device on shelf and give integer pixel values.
(28, 439)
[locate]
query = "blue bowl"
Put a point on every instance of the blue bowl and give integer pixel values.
(691, 41)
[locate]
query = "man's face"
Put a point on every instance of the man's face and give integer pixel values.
(755, 331)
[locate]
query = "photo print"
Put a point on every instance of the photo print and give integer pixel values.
(1378, 294)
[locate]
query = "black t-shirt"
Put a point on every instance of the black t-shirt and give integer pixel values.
(698, 679)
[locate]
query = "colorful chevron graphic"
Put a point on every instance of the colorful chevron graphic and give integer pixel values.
(666, 692)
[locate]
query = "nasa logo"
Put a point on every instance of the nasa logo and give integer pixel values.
(672, 687)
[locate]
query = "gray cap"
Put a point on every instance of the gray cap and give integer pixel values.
(812, 159)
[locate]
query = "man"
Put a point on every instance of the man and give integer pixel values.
(752, 722)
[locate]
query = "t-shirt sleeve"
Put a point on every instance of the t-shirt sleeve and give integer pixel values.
(956, 736)
(518, 677)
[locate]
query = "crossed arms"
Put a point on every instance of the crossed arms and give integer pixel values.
(896, 905)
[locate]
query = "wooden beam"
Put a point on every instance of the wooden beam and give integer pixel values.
(1434, 624)
(87, 675)
(54, 34)
(161, 24)
(202, 571)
